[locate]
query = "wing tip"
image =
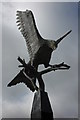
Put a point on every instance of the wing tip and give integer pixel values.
(70, 31)
(9, 85)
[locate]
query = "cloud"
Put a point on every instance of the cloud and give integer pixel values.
(19, 109)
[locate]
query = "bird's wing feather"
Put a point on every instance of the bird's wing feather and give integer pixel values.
(29, 30)
(18, 79)
(21, 78)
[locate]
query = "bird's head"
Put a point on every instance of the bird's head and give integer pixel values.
(54, 44)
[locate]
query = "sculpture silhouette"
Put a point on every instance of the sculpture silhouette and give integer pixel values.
(39, 49)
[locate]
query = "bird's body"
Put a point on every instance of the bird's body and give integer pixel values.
(42, 56)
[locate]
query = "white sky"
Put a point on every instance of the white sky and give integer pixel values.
(53, 20)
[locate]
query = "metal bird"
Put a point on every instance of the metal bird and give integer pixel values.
(39, 49)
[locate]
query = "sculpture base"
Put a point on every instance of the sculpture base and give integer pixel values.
(41, 109)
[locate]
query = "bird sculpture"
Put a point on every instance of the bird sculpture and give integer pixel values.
(39, 49)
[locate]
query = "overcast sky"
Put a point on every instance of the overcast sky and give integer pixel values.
(52, 20)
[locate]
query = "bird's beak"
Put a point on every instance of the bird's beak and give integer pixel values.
(61, 38)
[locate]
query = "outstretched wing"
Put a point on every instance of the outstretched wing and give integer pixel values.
(27, 26)
(22, 78)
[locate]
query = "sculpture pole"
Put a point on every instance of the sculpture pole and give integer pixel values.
(41, 108)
